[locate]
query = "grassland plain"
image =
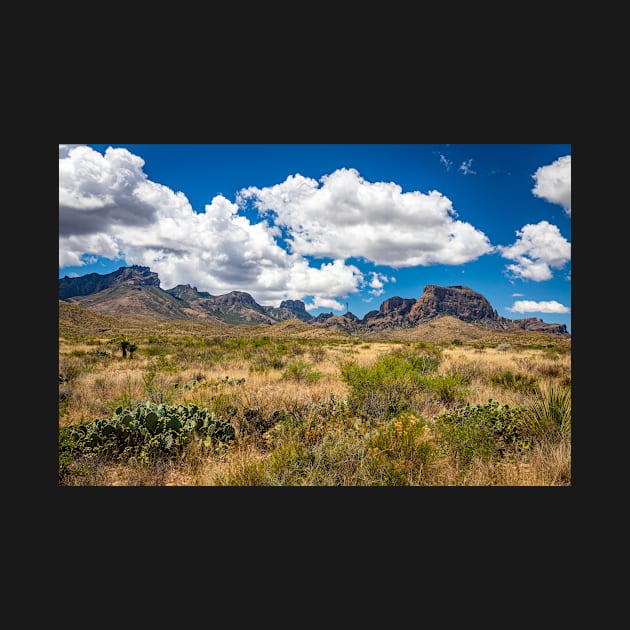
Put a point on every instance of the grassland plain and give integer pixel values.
(162, 403)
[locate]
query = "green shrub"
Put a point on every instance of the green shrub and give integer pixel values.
(398, 451)
(155, 351)
(421, 356)
(397, 382)
(301, 371)
(483, 431)
(324, 446)
(447, 388)
(380, 391)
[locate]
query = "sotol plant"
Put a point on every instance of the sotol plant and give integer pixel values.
(549, 412)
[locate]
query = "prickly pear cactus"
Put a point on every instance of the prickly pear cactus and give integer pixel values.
(146, 431)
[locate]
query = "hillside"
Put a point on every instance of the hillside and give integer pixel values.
(75, 320)
(135, 292)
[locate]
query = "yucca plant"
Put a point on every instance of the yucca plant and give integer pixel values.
(549, 411)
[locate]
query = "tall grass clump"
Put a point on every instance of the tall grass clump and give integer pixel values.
(549, 412)
(517, 381)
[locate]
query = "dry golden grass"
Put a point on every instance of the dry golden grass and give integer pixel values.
(480, 365)
(546, 465)
(245, 368)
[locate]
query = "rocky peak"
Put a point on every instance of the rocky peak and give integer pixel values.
(347, 322)
(293, 305)
(187, 293)
(400, 305)
(322, 317)
(458, 301)
(95, 282)
(136, 274)
(237, 298)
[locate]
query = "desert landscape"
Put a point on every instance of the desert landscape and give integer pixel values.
(145, 400)
(356, 315)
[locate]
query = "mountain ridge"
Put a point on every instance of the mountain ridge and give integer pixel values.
(136, 290)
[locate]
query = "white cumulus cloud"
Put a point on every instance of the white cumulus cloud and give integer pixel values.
(553, 182)
(108, 207)
(538, 248)
(343, 215)
(377, 282)
(319, 302)
(529, 306)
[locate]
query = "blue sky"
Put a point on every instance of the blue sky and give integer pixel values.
(328, 224)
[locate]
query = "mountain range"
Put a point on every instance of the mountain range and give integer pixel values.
(135, 290)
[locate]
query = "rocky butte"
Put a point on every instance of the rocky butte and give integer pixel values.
(436, 301)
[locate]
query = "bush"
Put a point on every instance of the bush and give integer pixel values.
(398, 451)
(447, 388)
(397, 382)
(301, 371)
(267, 360)
(483, 431)
(381, 391)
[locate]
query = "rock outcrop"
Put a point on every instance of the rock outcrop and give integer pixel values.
(458, 301)
(289, 309)
(96, 282)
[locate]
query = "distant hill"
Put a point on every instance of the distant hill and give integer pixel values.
(135, 291)
(459, 302)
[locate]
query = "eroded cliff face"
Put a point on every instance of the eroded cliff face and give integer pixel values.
(96, 282)
(458, 301)
(398, 305)
(534, 324)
